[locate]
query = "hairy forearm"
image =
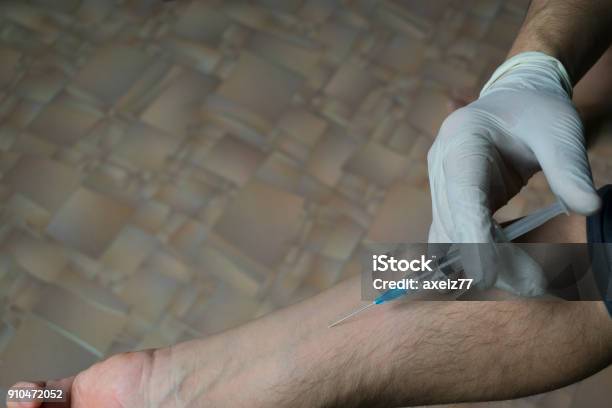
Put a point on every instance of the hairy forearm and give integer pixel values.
(397, 354)
(436, 352)
(576, 32)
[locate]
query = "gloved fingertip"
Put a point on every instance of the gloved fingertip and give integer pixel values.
(592, 205)
(584, 203)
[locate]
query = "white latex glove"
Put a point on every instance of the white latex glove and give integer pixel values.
(484, 154)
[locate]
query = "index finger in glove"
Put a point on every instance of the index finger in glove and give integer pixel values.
(469, 170)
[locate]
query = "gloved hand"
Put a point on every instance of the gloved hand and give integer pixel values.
(523, 121)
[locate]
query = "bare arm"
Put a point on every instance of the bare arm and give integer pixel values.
(394, 355)
(576, 32)
(414, 353)
(428, 352)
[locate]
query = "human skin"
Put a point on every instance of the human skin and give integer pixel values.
(398, 354)
(592, 94)
(576, 32)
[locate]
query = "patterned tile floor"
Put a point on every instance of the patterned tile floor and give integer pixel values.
(147, 147)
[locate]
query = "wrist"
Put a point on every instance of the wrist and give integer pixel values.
(531, 70)
(540, 45)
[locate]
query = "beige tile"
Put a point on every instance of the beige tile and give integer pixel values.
(451, 75)
(335, 239)
(189, 236)
(253, 77)
(430, 11)
(74, 280)
(233, 159)
(23, 113)
(213, 314)
(82, 321)
(313, 189)
(285, 6)
(65, 120)
(89, 221)
(201, 22)
(281, 172)
(176, 107)
(351, 83)
(111, 172)
(168, 332)
(518, 7)
(150, 216)
(9, 135)
(199, 148)
(403, 138)
(419, 150)
(8, 69)
(396, 18)
(291, 276)
(145, 89)
(170, 264)
(25, 293)
(46, 182)
(112, 71)
(355, 210)
(403, 53)
(185, 195)
(343, 239)
(63, 6)
(32, 18)
(186, 298)
(252, 16)
(44, 260)
(141, 138)
(149, 292)
(339, 39)
(213, 262)
(404, 216)
(429, 110)
(193, 53)
(329, 156)
(293, 149)
(55, 357)
(21, 209)
(317, 11)
(260, 210)
(377, 164)
(324, 273)
(9, 159)
(303, 58)
(41, 86)
(303, 125)
(30, 144)
(128, 250)
(485, 8)
(503, 31)
(93, 11)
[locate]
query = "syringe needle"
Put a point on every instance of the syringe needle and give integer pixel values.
(361, 309)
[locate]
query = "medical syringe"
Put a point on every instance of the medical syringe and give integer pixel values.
(509, 233)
